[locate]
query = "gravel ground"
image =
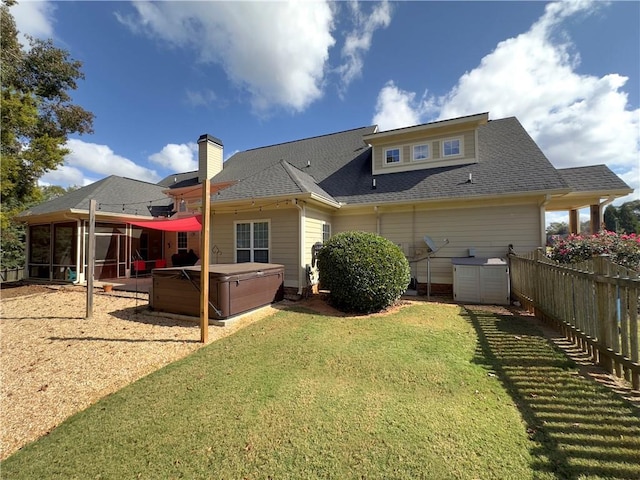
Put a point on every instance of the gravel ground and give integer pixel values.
(54, 362)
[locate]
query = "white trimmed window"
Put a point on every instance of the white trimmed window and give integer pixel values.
(452, 147)
(391, 156)
(421, 152)
(252, 242)
(326, 232)
(182, 242)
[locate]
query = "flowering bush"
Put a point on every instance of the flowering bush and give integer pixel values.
(624, 249)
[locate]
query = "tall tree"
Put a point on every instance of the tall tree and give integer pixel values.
(37, 115)
(628, 222)
(611, 218)
(558, 228)
(37, 111)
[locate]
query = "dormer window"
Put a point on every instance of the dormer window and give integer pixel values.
(392, 155)
(451, 147)
(445, 143)
(421, 152)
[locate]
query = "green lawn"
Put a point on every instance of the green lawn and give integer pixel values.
(432, 391)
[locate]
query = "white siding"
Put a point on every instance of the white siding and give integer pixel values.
(284, 243)
(315, 219)
(348, 223)
(489, 230)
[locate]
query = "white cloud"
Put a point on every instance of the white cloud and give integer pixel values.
(276, 51)
(397, 108)
(177, 158)
(576, 119)
(358, 42)
(201, 98)
(101, 160)
(227, 156)
(33, 18)
(65, 176)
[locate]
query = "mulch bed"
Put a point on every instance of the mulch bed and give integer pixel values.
(22, 288)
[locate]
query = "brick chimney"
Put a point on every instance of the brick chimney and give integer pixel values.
(209, 157)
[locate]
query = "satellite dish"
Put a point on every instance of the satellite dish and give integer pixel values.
(432, 246)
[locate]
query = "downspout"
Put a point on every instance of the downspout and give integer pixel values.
(602, 205)
(375, 209)
(27, 251)
(543, 231)
(79, 236)
(301, 236)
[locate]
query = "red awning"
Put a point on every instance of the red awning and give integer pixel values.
(185, 224)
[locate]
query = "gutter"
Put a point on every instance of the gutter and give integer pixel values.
(461, 200)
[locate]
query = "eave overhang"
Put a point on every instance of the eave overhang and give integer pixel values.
(78, 214)
(455, 202)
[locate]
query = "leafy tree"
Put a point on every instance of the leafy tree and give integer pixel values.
(611, 219)
(623, 219)
(13, 237)
(36, 119)
(628, 222)
(558, 228)
(49, 192)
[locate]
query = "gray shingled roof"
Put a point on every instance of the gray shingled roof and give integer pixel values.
(340, 164)
(111, 193)
(337, 167)
(318, 157)
(509, 162)
(177, 180)
(592, 178)
(279, 179)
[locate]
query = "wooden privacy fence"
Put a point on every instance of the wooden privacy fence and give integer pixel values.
(11, 274)
(594, 303)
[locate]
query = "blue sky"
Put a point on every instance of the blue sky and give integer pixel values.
(160, 74)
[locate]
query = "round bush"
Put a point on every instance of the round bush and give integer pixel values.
(364, 272)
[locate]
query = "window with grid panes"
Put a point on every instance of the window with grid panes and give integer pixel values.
(252, 242)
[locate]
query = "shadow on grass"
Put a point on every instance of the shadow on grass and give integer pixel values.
(580, 429)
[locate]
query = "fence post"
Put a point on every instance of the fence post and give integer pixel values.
(538, 288)
(603, 320)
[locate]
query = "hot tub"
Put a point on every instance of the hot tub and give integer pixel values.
(233, 288)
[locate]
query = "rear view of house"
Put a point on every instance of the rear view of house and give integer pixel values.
(483, 185)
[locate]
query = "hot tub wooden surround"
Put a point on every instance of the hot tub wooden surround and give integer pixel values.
(233, 288)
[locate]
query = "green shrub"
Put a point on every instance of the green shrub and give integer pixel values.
(624, 249)
(364, 272)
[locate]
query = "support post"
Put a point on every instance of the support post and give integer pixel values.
(574, 221)
(204, 261)
(91, 256)
(596, 219)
